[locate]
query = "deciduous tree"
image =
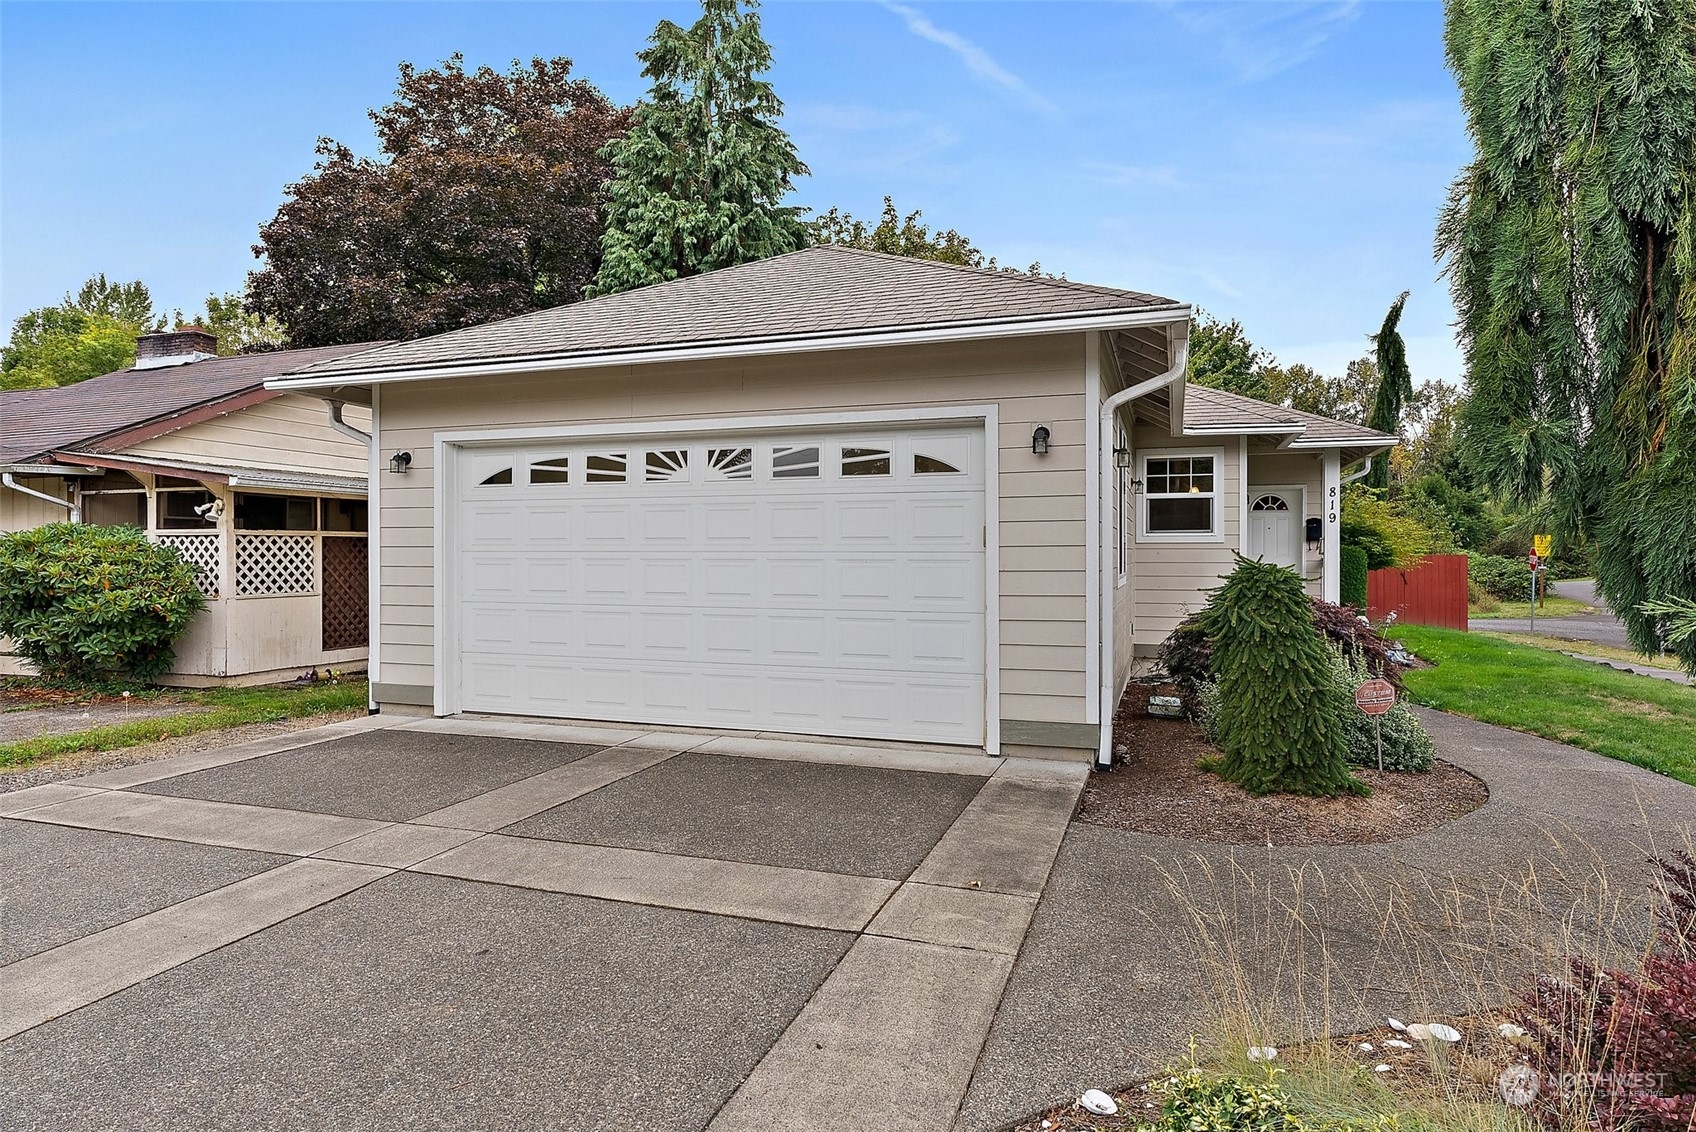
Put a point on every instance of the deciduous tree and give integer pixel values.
(86, 335)
(699, 180)
(1569, 248)
(483, 203)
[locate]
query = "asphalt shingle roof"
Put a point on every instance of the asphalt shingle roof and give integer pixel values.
(819, 291)
(34, 422)
(1209, 408)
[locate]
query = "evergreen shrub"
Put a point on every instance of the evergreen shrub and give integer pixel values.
(1279, 725)
(93, 605)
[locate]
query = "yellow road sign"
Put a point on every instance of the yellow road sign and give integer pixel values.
(1542, 544)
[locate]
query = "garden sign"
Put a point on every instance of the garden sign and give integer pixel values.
(1376, 697)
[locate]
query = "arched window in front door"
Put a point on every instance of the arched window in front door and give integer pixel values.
(1270, 503)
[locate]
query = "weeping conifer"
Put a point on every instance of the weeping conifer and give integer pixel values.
(1279, 724)
(1395, 386)
(1568, 242)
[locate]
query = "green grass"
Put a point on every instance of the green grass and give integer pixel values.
(1552, 607)
(1637, 719)
(210, 710)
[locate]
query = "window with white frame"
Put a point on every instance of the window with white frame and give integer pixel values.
(1181, 496)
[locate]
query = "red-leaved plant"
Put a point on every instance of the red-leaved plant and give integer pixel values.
(1618, 1049)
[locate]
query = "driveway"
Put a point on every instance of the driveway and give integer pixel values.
(474, 924)
(464, 924)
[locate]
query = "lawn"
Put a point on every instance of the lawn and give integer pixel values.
(1552, 607)
(210, 710)
(1637, 719)
(1588, 648)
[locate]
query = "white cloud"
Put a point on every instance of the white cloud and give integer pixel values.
(1257, 41)
(1113, 173)
(977, 60)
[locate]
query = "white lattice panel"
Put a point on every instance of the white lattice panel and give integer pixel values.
(199, 551)
(275, 564)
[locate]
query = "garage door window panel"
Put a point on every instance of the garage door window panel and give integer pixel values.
(606, 467)
(795, 463)
(865, 461)
(730, 464)
(667, 465)
(555, 469)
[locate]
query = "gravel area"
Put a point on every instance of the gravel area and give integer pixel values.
(80, 763)
(1159, 790)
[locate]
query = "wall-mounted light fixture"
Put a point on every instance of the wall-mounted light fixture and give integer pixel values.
(1122, 458)
(1039, 440)
(400, 462)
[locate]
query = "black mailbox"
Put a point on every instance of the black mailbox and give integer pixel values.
(1315, 531)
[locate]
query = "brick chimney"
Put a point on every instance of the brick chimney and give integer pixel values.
(175, 347)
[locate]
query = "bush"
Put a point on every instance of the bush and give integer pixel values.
(1506, 579)
(1278, 725)
(1389, 535)
(1352, 569)
(1627, 1041)
(1187, 655)
(94, 604)
(1407, 745)
(1196, 1102)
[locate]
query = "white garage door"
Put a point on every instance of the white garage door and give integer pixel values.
(822, 584)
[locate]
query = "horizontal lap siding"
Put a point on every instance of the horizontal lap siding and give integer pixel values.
(1032, 381)
(1171, 579)
(292, 431)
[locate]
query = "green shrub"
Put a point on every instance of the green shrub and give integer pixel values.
(1187, 655)
(94, 604)
(1196, 1102)
(1352, 570)
(1506, 579)
(1278, 724)
(1386, 531)
(1407, 745)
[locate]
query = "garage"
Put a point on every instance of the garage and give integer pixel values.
(829, 583)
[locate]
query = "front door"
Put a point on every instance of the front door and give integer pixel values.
(1274, 526)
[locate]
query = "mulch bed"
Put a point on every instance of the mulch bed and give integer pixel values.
(1157, 789)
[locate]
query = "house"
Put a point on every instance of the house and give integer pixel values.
(833, 493)
(263, 490)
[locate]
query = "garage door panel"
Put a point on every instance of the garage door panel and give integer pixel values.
(691, 583)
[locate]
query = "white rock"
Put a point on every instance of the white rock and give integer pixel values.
(1048, 1124)
(1365, 1047)
(1099, 1102)
(1396, 1023)
(1397, 1043)
(1263, 1053)
(1443, 1032)
(1510, 1031)
(1380, 1068)
(1419, 1032)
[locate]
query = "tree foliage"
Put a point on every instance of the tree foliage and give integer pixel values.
(94, 604)
(483, 204)
(1278, 724)
(699, 179)
(1222, 357)
(87, 334)
(1569, 248)
(1395, 385)
(238, 330)
(895, 234)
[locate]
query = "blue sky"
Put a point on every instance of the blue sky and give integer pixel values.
(1281, 163)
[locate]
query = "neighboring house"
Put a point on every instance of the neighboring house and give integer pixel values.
(257, 488)
(833, 493)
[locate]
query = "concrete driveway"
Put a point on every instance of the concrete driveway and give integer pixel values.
(475, 924)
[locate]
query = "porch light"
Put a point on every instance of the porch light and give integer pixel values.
(400, 462)
(1039, 440)
(1122, 458)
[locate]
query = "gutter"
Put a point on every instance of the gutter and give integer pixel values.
(1104, 320)
(75, 512)
(1178, 351)
(342, 426)
(1365, 470)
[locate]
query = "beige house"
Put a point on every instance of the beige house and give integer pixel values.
(830, 493)
(263, 491)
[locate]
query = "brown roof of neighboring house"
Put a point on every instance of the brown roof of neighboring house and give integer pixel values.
(35, 422)
(824, 291)
(1215, 410)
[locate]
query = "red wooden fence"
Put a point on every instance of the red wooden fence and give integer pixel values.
(1431, 593)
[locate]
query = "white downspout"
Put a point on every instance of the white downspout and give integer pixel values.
(1365, 470)
(342, 426)
(1178, 350)
(75, 515)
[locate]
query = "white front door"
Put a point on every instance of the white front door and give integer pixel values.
(823, 583)
(1275, 525)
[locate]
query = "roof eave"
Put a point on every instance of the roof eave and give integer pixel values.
(703, 351)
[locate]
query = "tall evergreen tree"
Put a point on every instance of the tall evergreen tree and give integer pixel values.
(699, 180)
(1569, 247)
(1395, 385)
